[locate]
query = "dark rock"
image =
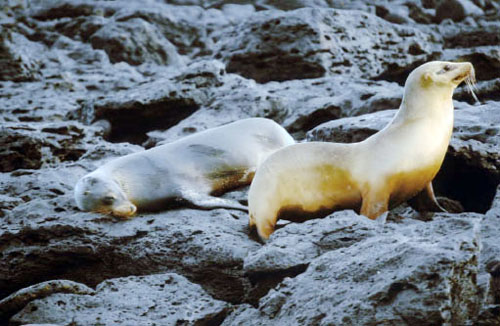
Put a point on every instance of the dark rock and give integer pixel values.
(19, 150)
(81, 28)
(156, 105)
(493, 267)
(465, 36)
(165, 299)
(311, 43)
(429, 4)
(486, 60)
(50, 10)
(456, 10)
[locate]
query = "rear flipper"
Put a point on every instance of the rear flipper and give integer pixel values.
(425, 201)
(207, 202)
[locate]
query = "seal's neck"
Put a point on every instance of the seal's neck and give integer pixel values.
(426, 103)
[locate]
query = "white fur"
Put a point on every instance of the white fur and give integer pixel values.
(180, 168)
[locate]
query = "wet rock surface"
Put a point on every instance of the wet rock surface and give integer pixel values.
(83, 82)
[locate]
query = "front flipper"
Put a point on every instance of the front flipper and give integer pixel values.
(375, 203)
(207, 202)
(425, 201)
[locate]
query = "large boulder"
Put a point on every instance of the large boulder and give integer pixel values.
(312, 43)
(422, 273)
(164, 299)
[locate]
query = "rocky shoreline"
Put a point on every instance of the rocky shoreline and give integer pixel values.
(82, 82)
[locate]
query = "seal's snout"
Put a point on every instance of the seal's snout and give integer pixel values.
(125, 211)
(465, 70)
(466, 73)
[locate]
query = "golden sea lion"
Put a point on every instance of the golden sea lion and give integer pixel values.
(386, 169)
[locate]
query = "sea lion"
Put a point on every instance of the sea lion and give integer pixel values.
(390, 167)
(188, 170)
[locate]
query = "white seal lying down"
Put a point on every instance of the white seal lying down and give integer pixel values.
(191, 170)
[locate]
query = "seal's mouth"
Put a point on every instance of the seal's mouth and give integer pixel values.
(461, 77)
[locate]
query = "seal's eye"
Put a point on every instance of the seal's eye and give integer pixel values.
(108, 200)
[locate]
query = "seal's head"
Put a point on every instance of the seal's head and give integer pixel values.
(442, 74)
(103, 195)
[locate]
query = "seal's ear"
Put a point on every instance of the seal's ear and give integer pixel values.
(426, 79)
(90, 180)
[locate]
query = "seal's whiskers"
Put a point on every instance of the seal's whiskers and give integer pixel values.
(470, 81)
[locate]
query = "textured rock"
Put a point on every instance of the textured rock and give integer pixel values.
(165, 299)
(135, 41)
(64, 96)
(17, 301)
(423, 273)
(31, 146)
(299, 105)
(155, 105)
(312, 43)
(16, 63)
(465, 36)
(456, 10)
(293, 246)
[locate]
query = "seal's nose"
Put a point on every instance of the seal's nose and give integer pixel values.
(125, 211)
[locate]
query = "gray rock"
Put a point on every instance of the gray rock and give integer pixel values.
(293, 246)
(17, 301)
(57, 123)
(422, 273)
(30, 146)
(165, 299)
(16, 63)
(312, 43)
(296, 244)
(159, 104)
(187, 27)
(299, 105)
(135, 41)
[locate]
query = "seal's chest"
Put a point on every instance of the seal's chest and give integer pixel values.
(404, 185)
